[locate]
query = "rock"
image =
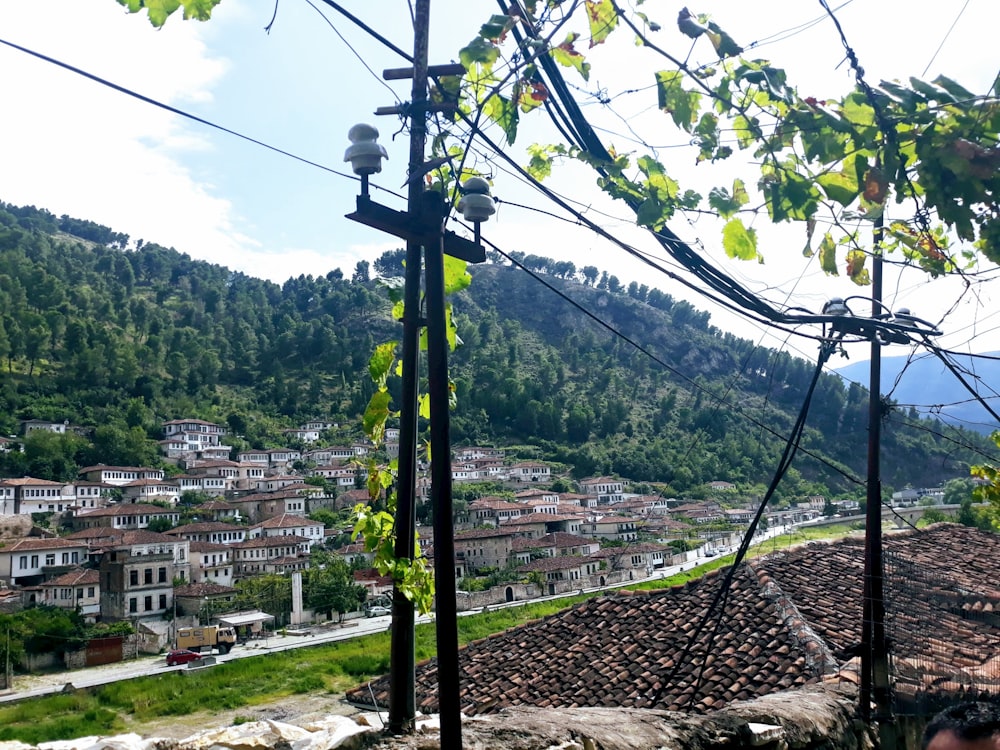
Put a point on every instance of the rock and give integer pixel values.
(249, 736)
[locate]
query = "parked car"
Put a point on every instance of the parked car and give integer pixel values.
(378, 611)
(181, 656)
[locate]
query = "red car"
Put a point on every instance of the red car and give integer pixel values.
(181, 656)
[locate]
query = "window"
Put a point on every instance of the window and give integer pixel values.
(163, 601)
(79, 593)
(161, 575)
(133, 605)
(147, 575)
(65, 558)
(34, 561)
(23, 562)
(133, 578)
(148, 604)
(90, 592)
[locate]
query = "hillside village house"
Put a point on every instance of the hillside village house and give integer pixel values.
(493, 511)
(30, 425)
(31, 560)
(205, 485)
(28, 495)
(127, 516)
(607, 490)
(213, 532)
(137, 575)
(343, 475)
(269, 554)
(559, 544)
(529, 471)
(288, 524)
(197, 435)
(211, 563)
(194, 599)
(119, 476)
(77, 589)
(304, 434)
(151, 490)
(617, 528)
(484, 548)
(563, 573)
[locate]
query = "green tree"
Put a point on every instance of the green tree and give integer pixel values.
(329, 585)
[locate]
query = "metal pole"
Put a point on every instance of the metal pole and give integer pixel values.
(444, 540)
(875, 685)
(402, 701)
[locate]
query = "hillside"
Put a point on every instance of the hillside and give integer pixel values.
(123, 339)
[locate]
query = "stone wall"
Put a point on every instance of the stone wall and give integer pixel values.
(821, 717)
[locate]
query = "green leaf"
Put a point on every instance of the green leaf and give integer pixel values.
(381, 361)
(790, 196)
(657, 179)
(456, 275)
(567, 56)
(857, 111)
(931, 91)
(746, 130)
(725, 45)
(841, 187)
(375, 416)
(496, 27)
(681, 105)
(652, 213)
(503, 112)
(828, 255)
(728, 204)
(603, 18)
(479, 52)
(856, 267)
(160, 10)
(738, 241)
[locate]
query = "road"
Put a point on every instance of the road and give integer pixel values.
(31, 686)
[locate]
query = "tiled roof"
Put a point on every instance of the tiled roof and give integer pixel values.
(203, 589)
(34, 543)
(200, 547)
(481, 534)
(790, 618)
(284, 521)
(204, 527)
(75, 577)
(128, 509)
(271, 541)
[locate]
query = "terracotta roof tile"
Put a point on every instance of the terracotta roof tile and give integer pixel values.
(789, 619)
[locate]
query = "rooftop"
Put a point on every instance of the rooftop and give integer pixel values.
(790, 618)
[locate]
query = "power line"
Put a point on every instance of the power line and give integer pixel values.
(945, 39)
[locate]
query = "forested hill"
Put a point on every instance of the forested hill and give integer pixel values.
(125, 339)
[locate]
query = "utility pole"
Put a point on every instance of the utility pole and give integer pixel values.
(402, 700)
(875, 678)
(422, 226)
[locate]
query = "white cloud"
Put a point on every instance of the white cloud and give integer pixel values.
(74, 146)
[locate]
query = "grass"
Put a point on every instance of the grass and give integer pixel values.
(333, 668)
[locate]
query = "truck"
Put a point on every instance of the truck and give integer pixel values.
(205, 638)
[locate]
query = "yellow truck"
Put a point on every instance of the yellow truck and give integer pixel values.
(206, 638)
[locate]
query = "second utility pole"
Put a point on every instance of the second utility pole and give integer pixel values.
(402, 701)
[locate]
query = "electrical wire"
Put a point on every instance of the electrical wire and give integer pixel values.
(946, 35)
(718, 603)
(174, 110)
(643, 350)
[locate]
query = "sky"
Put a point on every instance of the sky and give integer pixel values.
(73, 146)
